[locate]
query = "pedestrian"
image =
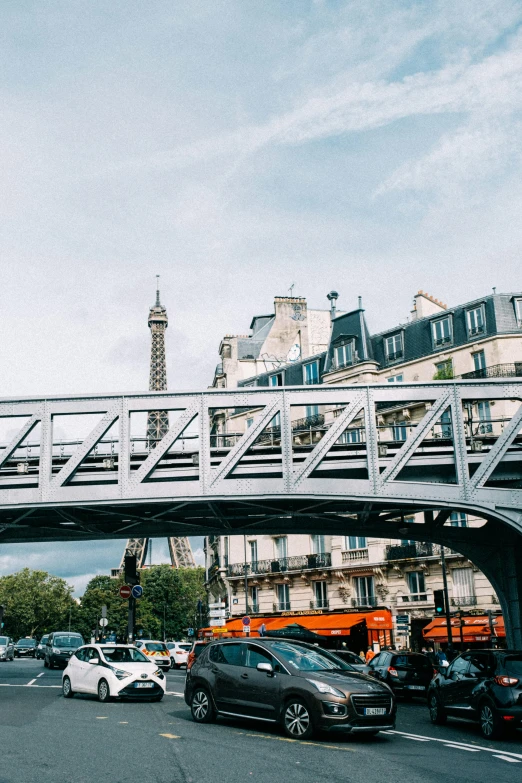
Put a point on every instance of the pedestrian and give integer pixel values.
(362, 656)
(369, 655)
(431, 656)
(441, 658)
(262, 629)
(451, 653)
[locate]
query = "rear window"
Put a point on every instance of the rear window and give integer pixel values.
(3, 640)
(198, 649)
(513, 664)
(155, 647)
(185, 647)
(412, 661)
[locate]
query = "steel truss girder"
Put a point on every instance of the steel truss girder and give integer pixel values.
(217, 483)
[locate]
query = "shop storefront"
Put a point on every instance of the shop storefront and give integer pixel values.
(468, 631)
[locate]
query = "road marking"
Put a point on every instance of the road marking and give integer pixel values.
(123, 721)
(8, 685)
(457, 744)
(417, 739)
(461, 747)
(506, 758)
(173, 693)
(40, 675)
(102, 717)
(32, 681)
(300, 742)
(170, 736)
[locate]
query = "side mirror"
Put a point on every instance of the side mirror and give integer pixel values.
(265, 667)
(94, 661)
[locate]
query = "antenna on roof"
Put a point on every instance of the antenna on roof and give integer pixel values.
(157, 292)
(291, 290)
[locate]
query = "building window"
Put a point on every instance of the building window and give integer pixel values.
(276, 421)
(479, 360)
(476, 321)
(311, 410)
(484, 414)
(445, 425)
(444, 370)
(400, 431)
(364, 590)
(355, 542)
(321, 595)
(281, 547)
(311, 373)
(283, 598)
(254, 598)
(276, 380)
(463, 586)
(458, 519)
(317, 544)
(249, 422)
(518, 311)
(351, 436)
(394, 347)
(249, 384)
(416, 586)
(395, 379)
(344, 355)
(253, 555)
(442, 332)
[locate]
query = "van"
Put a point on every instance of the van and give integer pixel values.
(60, 646)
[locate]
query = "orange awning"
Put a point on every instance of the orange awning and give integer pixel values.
(322, 624)
(474, 628)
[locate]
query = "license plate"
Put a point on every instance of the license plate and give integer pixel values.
(375, 711)
(416, 687)
(143, 684)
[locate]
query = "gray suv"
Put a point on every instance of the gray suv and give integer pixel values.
(59, 647)
(298, 685)
(6, 649)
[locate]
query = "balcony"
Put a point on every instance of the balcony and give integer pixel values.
(281, 606)
(213, 568)
(464, 600)
(414, 598)
(513, 370)
(355, 556)
(365, 600)
(317, 420)
(408, 551)
(394, 356)
(281, 565)
(320, 603)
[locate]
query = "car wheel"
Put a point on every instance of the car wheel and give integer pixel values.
(46, 663)
(51, 665)
(66, 688)
(201, 706)
(437, 711)
(104, 693)
(297, 721)
(490, 724)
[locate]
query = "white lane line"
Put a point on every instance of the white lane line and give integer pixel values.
(32, 681)
(40, 675)
(458, 744)
(417, 739)
(506, 758)
(8, 685)
(173, 693)
(461, 747)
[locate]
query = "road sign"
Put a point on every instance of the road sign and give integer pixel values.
(104, 611)
(220, 629)
(216, 621)
(103, 622)
(217, 605)
(137, 591)
(402, 619)
(218, 613)
(246, 620)
(190, 632)
(125, 591)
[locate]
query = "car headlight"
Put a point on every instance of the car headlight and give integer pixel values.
(323, 687)
(2, 649)
(120, 674)
(56, 651)
(158, 673)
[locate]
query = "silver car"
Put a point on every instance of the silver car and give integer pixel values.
(6, 649)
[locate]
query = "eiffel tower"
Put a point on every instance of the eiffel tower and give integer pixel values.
(157, 426)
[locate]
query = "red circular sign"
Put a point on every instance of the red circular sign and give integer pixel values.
(246, 620)
(125, 591)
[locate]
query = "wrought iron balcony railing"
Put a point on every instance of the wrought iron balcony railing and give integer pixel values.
(413, 597)
(282, 564)
(317, 420)
(365, 600)
(407, 551)
(282, 606)
(510, 370)
(320, 603)
(213, 568)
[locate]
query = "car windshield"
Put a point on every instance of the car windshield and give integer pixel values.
(43, 639)
(3, 640)
(68, 641)
(123, 655)
(306, 659)
(26, 643)
(513, 664)
(412, 661)
(155, 646)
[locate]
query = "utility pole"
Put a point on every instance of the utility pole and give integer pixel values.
(246, 574)
(446, 597)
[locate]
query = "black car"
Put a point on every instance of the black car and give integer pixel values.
(59, 647)
(295, 684)
(25, 648)
(40, 650)
(408, 674)
(483, 686)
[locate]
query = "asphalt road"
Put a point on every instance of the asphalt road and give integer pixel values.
(45, 738)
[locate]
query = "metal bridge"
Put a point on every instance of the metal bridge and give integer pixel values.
(347, 459)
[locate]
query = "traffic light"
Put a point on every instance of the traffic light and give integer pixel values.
(438, 597)
(131, 571)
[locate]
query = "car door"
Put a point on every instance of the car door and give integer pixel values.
(259, 692)
(78, 670)
(377, 667)
(225, 665)
(480, 666)
(93, 671)
(452, 684)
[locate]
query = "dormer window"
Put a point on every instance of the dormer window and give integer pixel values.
(311, 373)
(344, 355)
(518, 311)
(394, 346)
(276, 380)
(442, 332)
(476, 321)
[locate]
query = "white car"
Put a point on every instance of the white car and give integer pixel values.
(112, 670)
(156, 652)
(179, 652)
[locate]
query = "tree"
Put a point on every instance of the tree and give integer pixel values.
(103, 591)
(35, 603)
(170, 600)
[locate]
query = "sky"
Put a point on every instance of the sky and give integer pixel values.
(236, 148)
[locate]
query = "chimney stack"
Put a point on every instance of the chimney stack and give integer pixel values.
(333, 297)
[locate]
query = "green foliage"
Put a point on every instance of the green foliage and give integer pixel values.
(170, 594)
(36, 603)
(444, 373)
(100, 591)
